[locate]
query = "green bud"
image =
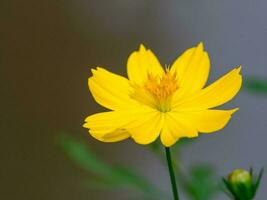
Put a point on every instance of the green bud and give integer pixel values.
(240, 176)
(242, 185)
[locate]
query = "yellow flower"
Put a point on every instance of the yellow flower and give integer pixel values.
(170, 102)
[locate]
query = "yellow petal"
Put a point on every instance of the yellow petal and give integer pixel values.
(166, 137)
(207, 121)
(114, 136)
(174, 128)
(146, 128)
(108, 121)
(180, 127)
(113, 126)
(108, 126)
(216, 94)
(110, 90)
(141, 63)
(192, 69)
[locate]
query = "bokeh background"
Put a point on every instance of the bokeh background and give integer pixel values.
(46, 51)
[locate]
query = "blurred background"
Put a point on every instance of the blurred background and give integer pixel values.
(46, 51)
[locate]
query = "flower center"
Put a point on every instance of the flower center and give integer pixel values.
(157, 91)
(161, 87)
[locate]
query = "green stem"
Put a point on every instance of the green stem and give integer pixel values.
(172, 175)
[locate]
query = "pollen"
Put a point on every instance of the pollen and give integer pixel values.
(162, 88)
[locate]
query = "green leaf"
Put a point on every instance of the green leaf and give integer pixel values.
(83, 157)
(258, 181)
(229, 190)
(201, 184)
(106, 176)
(255, 85)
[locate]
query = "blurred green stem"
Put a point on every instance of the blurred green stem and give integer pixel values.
(172, 175)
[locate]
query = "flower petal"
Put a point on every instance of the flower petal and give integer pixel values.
(175, 128)
(114, 136)
(216, 94)
(166, 137)
(207, 121)
(110, 90)
(146, 128)
(114, 126)
(192, 69)
(108, 126)
(141, 63)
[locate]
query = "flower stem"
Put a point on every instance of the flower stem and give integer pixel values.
(172, 175)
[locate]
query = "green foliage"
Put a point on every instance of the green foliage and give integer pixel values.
(105, 176)
(82, 156)
(201, 184)
(255, 85)
(257, 180)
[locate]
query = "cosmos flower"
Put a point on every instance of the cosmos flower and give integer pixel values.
(170, 103)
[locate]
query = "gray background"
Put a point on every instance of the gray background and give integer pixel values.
(46, 51)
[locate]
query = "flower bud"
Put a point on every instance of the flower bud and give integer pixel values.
(240, 176)
(242, 185)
